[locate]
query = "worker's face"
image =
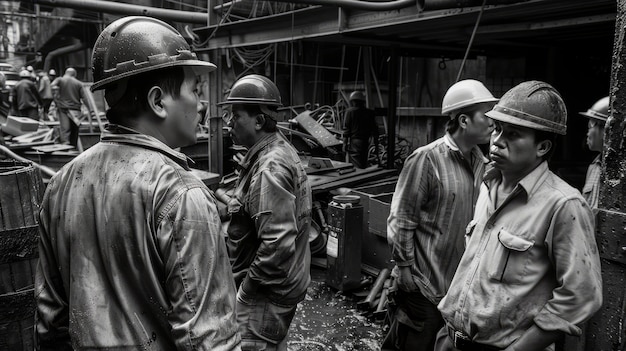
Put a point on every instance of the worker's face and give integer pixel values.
(514, 149)
(184, 111)
(595, 135)
(243, 126)
(479, 126)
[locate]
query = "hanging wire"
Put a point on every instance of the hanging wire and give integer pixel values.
(469, 45)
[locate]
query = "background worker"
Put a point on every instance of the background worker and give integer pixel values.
(432, 203)
(69, 94)
(360, 125)
(25, 97)
(597, 115)
(45, 91)
(531, 270)
(270, 218)
(131, 255)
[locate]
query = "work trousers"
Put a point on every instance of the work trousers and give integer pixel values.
(358, 152)
(69, 129)
(32, 113)
(263, 324)
(414, 325)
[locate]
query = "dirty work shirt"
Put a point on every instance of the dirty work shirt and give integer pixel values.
(533, 260)
(591, 189)
(269, 229)
(431, 206)
(134, 239)
(25, 95)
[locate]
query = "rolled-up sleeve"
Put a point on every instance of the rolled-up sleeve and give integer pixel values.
(198, 279)
(410, 193)
(573, 250)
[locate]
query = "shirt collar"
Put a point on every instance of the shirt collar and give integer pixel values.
(478, 155)
(253, 152)
(124, 135)
(597, 160)
(528, 184)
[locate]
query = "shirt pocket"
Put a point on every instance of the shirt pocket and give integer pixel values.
(510, 258)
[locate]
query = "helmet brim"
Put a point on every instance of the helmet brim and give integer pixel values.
(593, 115)
(250, 101)
(460, 105)
(199, 67)
(511, 119)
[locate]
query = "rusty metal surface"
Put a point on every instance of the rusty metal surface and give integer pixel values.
(317, 131)
(19, 244)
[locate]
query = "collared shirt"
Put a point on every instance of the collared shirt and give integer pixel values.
(533, 260)
(131, 253)
(70, 92)
(591, 190)
(269, 228)
(431, 206)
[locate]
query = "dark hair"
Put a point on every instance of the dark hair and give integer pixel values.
(540, 136)
(270, 122)
(134, 102)
(453, 124)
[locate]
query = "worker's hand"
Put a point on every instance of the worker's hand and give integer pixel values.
(405, 280)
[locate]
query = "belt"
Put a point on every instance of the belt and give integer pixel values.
(462, 342)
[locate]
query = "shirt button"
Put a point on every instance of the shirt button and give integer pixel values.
(489, 226)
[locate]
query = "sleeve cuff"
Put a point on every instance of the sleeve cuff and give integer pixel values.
(550, 322)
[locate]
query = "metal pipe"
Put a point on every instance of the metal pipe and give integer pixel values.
(358, 4)
(60, 51)
(429, 5)
(128, 9)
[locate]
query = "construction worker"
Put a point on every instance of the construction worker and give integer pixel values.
(270, 218)
(69, 96)
(45, 91)
(531, 271)
(25, 97)
(597, 115)
(131, 255)
(432, 203)
(360, 125)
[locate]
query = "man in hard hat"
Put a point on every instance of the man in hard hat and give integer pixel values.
(360, 125)
(131, 255)
(68, 100)
(530, 272)
(270, 218)
(25, 97)
(597, 115)
(432, 203)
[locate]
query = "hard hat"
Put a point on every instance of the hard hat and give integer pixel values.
(465, 93)
(533, 104)
(137, 44)
(25, 74)
(357, 95)
(599, 110)
(253, 89)
(52, 72)
(30, 68)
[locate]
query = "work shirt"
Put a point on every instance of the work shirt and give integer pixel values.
(45, 90)
(591, 189)
(25, 95)
(360, 123)
(269, 228)
(533, 260)
(431, 206)
(131, 254)
(69, 94)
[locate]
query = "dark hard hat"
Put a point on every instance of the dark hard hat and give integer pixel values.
(136, 44)
(599, 110)
(533, 104)
(357, 95)
(253, 89)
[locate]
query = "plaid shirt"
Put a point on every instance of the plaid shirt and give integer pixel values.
(432, 204)
(591, 190)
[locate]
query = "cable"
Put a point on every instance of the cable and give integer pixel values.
(469, 45)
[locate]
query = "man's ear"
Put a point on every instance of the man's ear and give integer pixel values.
(259, 121)
(463, 120)
(155, 101)
(543, 148)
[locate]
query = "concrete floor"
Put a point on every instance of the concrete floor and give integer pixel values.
(329, 321)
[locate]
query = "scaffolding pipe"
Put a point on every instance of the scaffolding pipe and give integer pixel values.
(61, 51)
(128, 9)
